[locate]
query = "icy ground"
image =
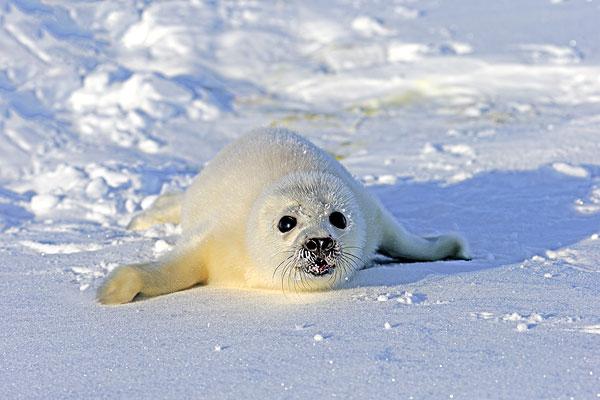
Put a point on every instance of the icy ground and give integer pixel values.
(476, 116)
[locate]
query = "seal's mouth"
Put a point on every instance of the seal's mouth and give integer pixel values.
(319, 267)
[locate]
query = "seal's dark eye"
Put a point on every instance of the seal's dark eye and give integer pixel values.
(338, 220)
(286, 223)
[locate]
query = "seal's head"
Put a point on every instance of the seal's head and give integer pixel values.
(306, 232)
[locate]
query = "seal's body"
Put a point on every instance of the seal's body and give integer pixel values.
(272, 210)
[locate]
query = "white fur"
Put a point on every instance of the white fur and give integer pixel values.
(229, 219)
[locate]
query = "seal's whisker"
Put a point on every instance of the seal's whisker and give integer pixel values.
(356, 264)
(280, 264)
(354, 260)
(297, 271)
(352, 247)
(302, 280)
(350, 254)
(292, 279)
(286, 271)
(332, 278)
(345, 266)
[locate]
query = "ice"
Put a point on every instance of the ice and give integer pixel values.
(405, 298)
(149, 146)
(475, 117)
(459, 150)
(382, 297)
(97, 188)
(482, 315)
(571, 170)
(522, 327)
(161, 247)
(43, 203)
(406, 52)
(553, 54)
(535, 318)
(60, 248)
(592, 329)
(512, 317)
(407, 12)
(369, 26)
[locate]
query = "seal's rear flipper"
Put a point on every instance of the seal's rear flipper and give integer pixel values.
(165, 209)
(398, 243)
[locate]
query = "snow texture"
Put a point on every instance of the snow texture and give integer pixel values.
(472, 116)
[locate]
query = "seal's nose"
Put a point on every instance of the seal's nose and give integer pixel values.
(318, 244)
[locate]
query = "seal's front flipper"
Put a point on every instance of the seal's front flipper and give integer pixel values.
(165, 209)
(398, 243)
(179, 270)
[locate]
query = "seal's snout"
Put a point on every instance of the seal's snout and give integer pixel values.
(316, 245)
(319, 251)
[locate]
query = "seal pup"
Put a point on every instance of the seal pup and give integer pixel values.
(271, 210)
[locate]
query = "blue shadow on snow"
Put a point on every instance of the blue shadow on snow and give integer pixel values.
(507, 217)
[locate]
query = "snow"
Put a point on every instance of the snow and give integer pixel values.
(382, 297)
(475, 117)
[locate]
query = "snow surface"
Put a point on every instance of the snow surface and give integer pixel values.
(475, 116)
